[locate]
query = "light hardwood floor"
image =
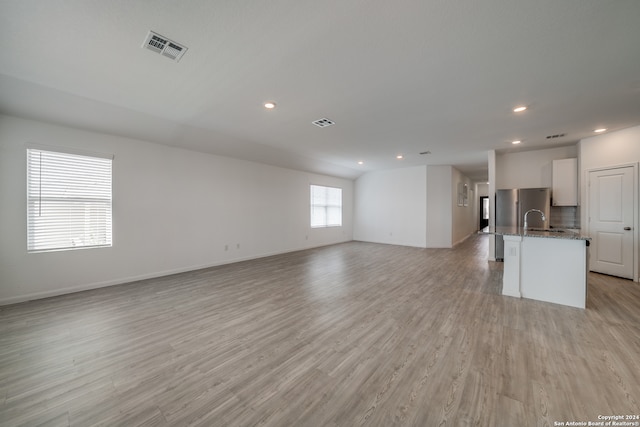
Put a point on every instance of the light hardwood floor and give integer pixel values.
(345, 335)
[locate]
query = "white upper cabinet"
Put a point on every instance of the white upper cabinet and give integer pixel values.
(565, 182)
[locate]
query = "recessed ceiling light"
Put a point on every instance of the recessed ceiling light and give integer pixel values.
(519, 108)
(269, 105)
(399, 157)
(516, 142)
(361, 162)
(600, 130)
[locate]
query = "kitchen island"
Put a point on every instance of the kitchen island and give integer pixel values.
(546, 265)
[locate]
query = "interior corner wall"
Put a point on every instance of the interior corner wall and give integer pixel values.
(609, 150)
(491, 163)
(173, 210)
(439, 206)
(604, 151)
(390, 207)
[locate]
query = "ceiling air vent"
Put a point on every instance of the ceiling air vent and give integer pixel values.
(323, 123)
(557, 135)
(162, 45)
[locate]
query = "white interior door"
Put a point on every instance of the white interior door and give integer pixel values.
(611, 221)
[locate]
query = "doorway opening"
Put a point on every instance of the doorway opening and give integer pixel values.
(484, 212)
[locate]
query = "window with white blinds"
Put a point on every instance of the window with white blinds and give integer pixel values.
(326, 206)
(68, 201)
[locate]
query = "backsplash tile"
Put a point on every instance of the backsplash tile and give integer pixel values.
(565, 217)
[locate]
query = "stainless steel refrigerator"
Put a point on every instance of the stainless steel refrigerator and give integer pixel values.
(511, 206)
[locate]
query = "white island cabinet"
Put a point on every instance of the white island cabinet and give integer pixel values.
(545, 266)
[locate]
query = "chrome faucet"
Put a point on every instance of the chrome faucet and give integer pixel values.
(528, 212)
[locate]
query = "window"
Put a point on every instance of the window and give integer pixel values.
(326, 206)
(68, 201)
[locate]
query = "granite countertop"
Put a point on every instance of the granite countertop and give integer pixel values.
(555, 233)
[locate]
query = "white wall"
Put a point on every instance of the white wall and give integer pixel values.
(414, 206)
(529, 169)
(482, 190)
(439, 198)
(173, 210)
(491, 163)
(609, 150)
(390, 207)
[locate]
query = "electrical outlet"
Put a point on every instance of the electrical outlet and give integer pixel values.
(226, 247)
(237, 245)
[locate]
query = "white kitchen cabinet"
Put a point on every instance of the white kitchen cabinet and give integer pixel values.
(565, 182)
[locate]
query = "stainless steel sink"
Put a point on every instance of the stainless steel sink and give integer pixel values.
(548, 230)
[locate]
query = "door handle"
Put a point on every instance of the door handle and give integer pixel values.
(627, 228)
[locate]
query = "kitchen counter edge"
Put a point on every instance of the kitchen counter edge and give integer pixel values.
(566, 234)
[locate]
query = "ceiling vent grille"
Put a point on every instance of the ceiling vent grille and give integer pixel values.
(323, 123)
(165, 47)
(557, 135)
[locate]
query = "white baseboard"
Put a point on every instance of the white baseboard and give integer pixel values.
(389, 243)
(129, 279)
(462, 240)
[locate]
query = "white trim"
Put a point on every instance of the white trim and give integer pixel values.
(407, 245)
(131, 279)
(462, 240)
(68, 150)
(69, 200)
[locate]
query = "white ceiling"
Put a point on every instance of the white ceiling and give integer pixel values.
(397, 77)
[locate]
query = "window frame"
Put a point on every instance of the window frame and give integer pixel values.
(326, 205)
(72, 200)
